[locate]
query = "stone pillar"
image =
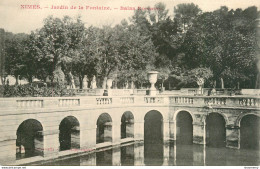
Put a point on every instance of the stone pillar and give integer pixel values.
(51, 143)
(166, 154)
(166, 131)
(88, 138)
(172, 125)
(116, 156)
(232, 136)
(172, 156)
(139, 154)
(139, 130)
(116, 132)
(8, 151)
(199, 133)
(89, 160)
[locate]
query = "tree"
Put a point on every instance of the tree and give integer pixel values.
(15, 55)
(185, 14)
(224, 49)
(56, 43)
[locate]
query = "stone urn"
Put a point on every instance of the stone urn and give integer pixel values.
(200, 82)
(152, 77)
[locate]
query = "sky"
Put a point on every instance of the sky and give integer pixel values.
(17, 20)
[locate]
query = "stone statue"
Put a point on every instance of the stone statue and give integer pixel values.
(200, 82)
(93, 83)
(85, 82)
(72, 83)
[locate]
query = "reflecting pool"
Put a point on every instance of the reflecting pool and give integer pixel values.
(156, 154)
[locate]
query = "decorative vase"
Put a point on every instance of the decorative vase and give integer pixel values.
(152, 76)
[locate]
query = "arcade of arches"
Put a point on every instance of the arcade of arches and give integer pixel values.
(30, 137)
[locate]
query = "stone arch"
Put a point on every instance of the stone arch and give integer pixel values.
(183, 121)
(176, 113)
(153, 137)
(249, 137)
(239, 118)
(222, 114)
(69, 133)
(29, 142)
(104, 128)
(216, 123)
(153, 126)
(127, 125)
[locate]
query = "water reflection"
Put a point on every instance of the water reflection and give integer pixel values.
(168, 154)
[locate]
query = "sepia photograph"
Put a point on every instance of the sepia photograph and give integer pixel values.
(129, 83)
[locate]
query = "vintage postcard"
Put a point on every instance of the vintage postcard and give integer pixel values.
(129, 83)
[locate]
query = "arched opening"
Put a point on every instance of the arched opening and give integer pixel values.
(153, 138)
(104, 128)
(69, 136)
(29, 142)
(127, 125)
(249, 132)
(184, 128)
(215, 130)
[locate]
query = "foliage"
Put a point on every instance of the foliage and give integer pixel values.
(218, 46)
(29, 90)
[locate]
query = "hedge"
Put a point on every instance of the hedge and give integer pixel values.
(33, 91)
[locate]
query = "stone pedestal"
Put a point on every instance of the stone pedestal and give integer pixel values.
(51, 143)
(139, 131)
(232, 136)
(89, 160)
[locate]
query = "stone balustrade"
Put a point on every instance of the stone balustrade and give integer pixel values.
(181, 100)
(154, 99)
(249, 102)
(215, 101)
(127, 100)
(69, 102)
(190, 101)
(104, 100)
(29, 103)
